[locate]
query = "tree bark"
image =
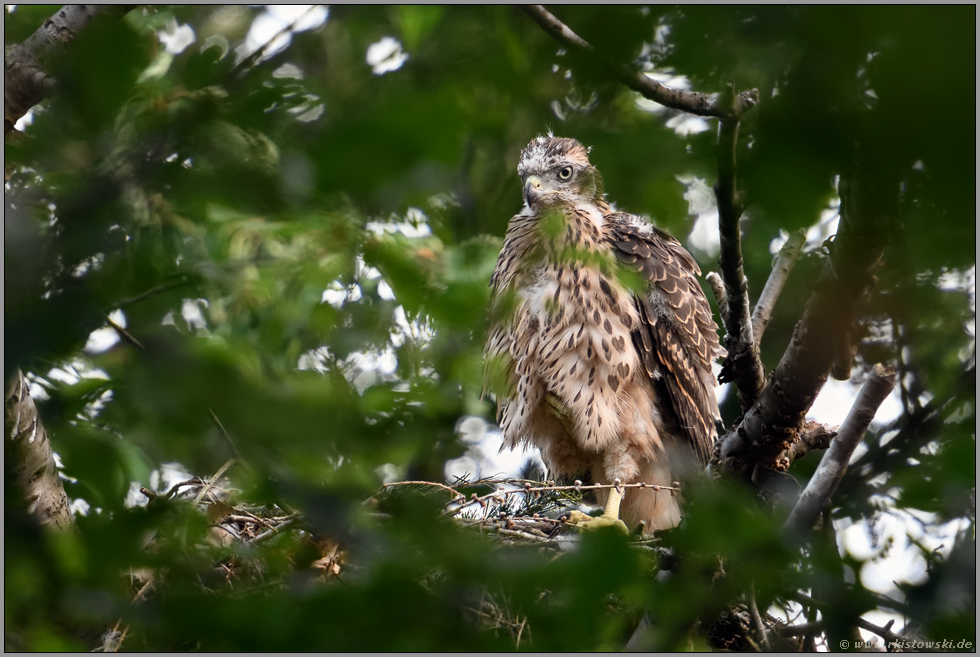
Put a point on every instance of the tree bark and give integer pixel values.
(28, 453)
(26, 82)
(868, 213)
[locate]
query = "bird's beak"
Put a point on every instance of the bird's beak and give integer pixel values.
(533, 190)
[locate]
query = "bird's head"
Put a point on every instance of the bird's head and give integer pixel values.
(557, 169)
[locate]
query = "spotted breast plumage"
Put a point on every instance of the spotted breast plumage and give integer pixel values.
(601, 340)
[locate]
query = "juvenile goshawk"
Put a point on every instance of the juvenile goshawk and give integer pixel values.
(601, 340)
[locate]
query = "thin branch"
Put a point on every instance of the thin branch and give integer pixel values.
(153, 291)
(718, 289)
(883, 632)
(760, 627)
(824, 481)
(125, 335)
(501, 494)
(450, 490)
(802, 628)
(692, 102)
(212, 481)
(226, 436)
(743, 365)
(774, 286)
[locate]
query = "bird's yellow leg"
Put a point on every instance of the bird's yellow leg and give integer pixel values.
(609, 517)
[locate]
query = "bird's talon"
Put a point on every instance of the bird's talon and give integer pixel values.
(589, 523)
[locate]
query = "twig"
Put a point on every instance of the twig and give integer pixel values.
(760, 627)
(224, 434)
(257, 53)
(526, 536)
(774, 285)
(824, 481)
(883, 632)
(275, 530)
(802, 628)
(207, 486)
(692, 102)
(743, 365)
(152, 292)
(125, 335)
(578, 486)
(434, 484)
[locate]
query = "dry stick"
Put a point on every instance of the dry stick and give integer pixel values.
(497, 494)
(153, 291)
(829, 473)
(451, 490)
(692, 102)
(275, 530)
(226, 436)
(760, 627)
(774, 285)
(207, 486)
(743, 365)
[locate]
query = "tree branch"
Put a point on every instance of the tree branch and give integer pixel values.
(26, 81)
(813, 436)
(829, 473)
(692, 102)
(743, 365)
(774, 286)
(718, 289)
(28, 454)
(868, 211)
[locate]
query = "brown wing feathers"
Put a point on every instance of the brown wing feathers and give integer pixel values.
(676, 338)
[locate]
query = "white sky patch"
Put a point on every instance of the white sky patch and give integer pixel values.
(73, 372)
(404, 227)
(191, 312)
(483, 457)
(825, 227)
(176, 37)
(701, 203)
(25, 120)
(335, 295)
(367, 368)
(836, 398)
(386, 55)
(267, 30)
(385, 291)
(105, 338)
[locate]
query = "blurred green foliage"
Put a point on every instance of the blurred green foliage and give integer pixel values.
(244, 187)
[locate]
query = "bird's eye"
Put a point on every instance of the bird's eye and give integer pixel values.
(565, 173)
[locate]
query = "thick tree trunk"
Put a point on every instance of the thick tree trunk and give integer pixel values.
(26, 82)
(28, 454)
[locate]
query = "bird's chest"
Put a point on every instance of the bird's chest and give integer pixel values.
(572, 341)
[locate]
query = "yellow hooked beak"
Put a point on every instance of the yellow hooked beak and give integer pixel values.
(533, 190)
